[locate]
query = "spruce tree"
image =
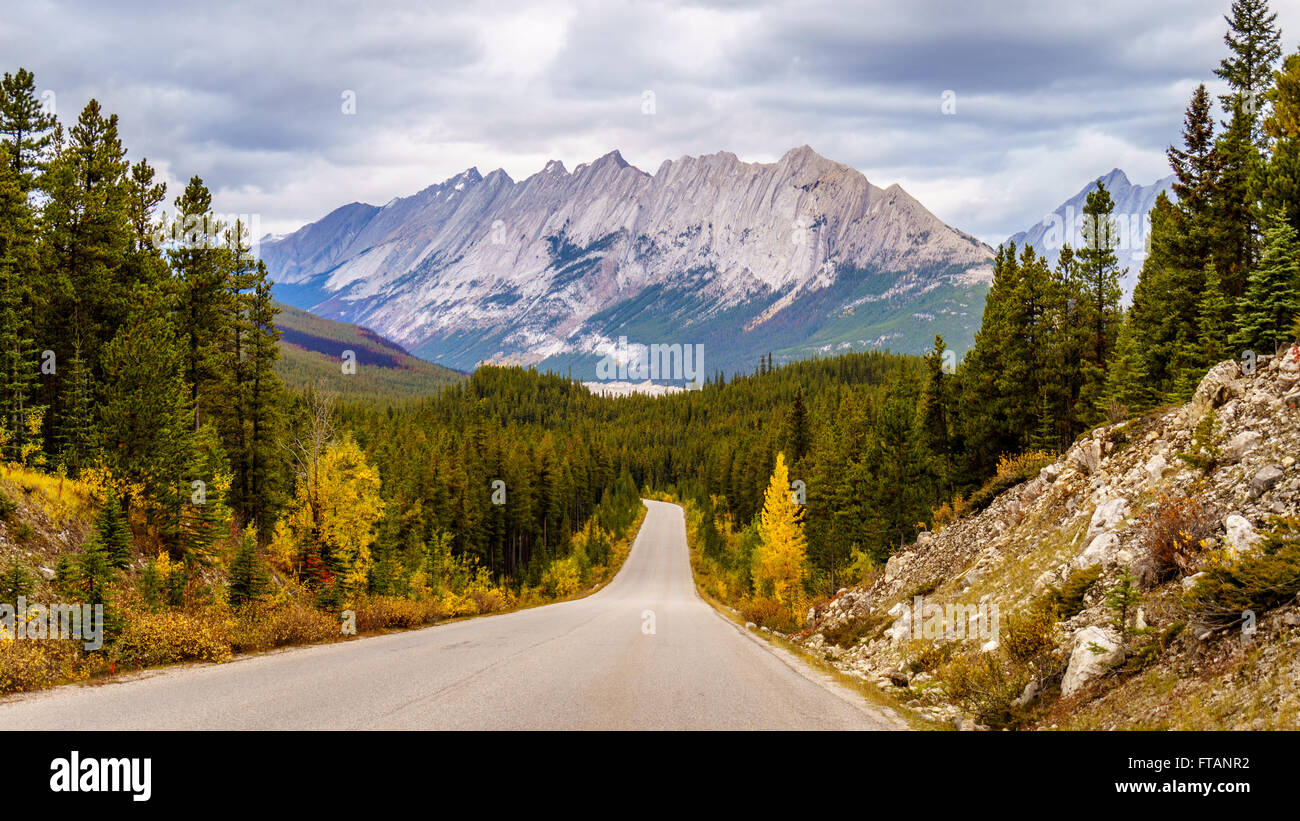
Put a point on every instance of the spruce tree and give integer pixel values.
(112, 532)
(1272, 301)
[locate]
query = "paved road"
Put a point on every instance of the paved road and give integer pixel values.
(584, 664)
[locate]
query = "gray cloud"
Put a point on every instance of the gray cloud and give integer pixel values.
(248, 96)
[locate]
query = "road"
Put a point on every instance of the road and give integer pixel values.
(584, 664)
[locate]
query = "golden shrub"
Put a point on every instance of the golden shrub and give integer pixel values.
(170, 637)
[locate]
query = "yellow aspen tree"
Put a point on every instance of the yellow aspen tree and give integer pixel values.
(781, 558)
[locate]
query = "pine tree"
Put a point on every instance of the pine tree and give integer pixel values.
(1282, 129)
(249, 579)
(1099, 288)
(1127, 385)
(797, 436)
(112, 532)
(26, 128)
(1253, 42)
(1272, 300)
(18, 361)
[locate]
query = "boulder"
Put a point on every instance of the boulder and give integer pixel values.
(1045, 580)
(1094, 651)
(894, 566)
(901, 629)
(1239, 445)
(1218, 386)
(1263, 481)
(1155, 467)
(1107, 516)
(1086, 456)
(1100, 550)
(1240, 534)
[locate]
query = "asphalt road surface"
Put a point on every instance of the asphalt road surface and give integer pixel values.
(592, 663)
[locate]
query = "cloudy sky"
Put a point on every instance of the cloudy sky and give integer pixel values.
(1048, 93)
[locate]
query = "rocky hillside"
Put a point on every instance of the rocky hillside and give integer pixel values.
(1173, 525)
(797, 257)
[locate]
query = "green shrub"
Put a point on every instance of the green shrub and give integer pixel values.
(1028, 637)
(928, 656)
(987, 687)
(1256, 581)
(8, 507)
(1066, 601)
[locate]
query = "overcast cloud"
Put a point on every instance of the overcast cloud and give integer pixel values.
(249, 96)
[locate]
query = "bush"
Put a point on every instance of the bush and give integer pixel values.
(1174, 532)
(8, 507)
(1028, 638)
(1066, 601)
(150, 639)
(30, 665)
(379, 612)
(1012, 470)
(769, 613)
(265, 626)
(927, 656)
(988, 688)
(1256, 581)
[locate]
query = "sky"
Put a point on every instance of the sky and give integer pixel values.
(990, 113)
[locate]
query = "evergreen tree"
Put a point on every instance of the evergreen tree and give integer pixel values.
(1098, 286)
(26, 128)
(1272, 301)
(797, 436)
(112, 532)
(18, 359)
(249, 579)
(1282, 130)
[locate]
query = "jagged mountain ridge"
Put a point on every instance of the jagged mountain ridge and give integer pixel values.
(1132, 204)
(797, 257)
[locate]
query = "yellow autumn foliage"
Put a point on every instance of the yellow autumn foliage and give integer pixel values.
(780, 561)
(337, 503)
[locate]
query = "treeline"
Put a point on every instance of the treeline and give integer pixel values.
(133, 343)
(1056, 354)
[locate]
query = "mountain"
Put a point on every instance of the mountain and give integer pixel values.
(799, 257)
(311, 355)
(1132, 204)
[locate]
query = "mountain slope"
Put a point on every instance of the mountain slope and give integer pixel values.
(1132, 204)
(798, 257)
(312, 354)
(1213, 478)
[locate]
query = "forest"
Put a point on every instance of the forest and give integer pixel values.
(139, 357)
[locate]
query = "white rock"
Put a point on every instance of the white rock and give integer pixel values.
(1155, 467)
(1240, 535)
(1044, 581)
(1107, 516)
(1086, 663)
(902, 626)
(1239, 445)
(1100, 550)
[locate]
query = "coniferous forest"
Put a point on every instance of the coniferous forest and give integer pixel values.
(143, 395)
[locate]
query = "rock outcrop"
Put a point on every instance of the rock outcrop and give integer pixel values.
(1084, 513)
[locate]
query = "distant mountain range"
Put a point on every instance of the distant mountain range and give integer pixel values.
(799, 257)
(1132, 204)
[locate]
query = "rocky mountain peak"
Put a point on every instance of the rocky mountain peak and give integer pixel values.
(530, 271)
